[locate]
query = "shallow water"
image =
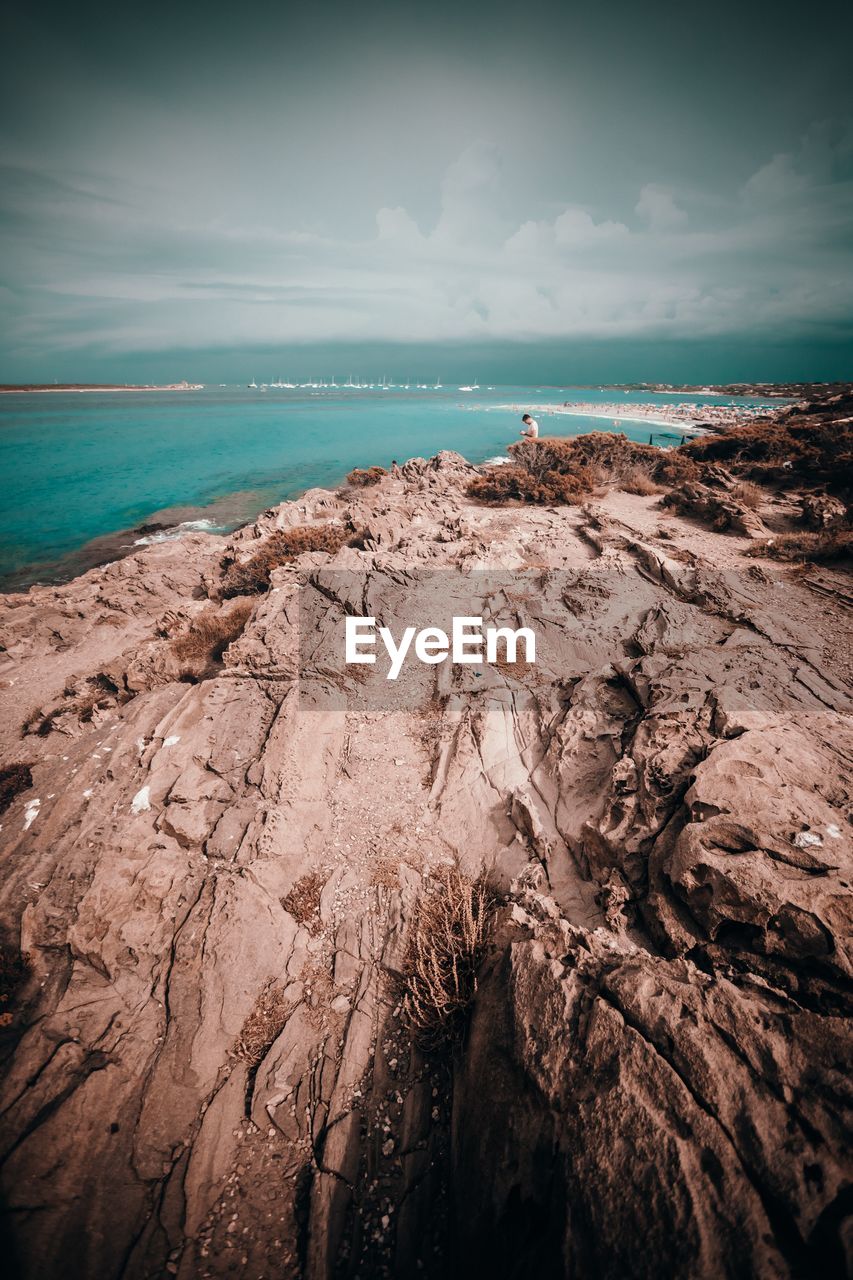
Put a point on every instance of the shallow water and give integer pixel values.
(84, 471)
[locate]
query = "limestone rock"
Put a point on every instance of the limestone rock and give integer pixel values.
(215, 881)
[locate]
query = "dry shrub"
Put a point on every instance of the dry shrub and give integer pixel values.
(555, 471)
(447, 943)
(203, 644)
(821, 548)
(512, 483)
(303, 900)
(14, 779)
(97, 692)
(263, 1025)
(814, 447)
(14, 971)
(748, 494)
(361, 478)
(252, 576)
(40, 722)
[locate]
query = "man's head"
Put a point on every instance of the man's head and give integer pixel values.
(526, 418)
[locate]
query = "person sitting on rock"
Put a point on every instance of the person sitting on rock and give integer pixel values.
(530, 430)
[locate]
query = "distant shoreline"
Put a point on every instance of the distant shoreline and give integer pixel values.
(695, 418)
(27, 389)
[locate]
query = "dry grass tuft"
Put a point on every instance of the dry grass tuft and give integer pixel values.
(637, 480)
(748, 494)
(263, 1025)
(519, 668)
(204, 642)
(820, 548)
(318, 987)
(303, 900)
(14, 779)
(385, 871)
(360, 478)
(448, 940)
(252, 576)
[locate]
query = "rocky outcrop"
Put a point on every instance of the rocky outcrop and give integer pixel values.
(643, 1116)
(823, 511)
(215, 872)
(717, 505)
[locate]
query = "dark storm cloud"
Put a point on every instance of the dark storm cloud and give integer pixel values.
(257, 175)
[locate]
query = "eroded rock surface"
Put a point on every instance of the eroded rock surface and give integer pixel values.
(213, 880)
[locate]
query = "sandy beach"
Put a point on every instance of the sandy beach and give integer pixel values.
(689, 416)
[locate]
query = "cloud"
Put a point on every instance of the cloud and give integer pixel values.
(656, 206)
(575, 227)
(110, 266)
(396, 226)
(819, 169)
(776, 181)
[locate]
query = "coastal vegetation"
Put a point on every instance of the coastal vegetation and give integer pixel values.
(303, 900)
(361, 478)
(200, 648)
(821, 547)
(552, 471)
(748, 494)
(14, 779)
(808, 447)
(80, 701)
(794, 468)
(263, 1025)
(14, 971)
(252, 576)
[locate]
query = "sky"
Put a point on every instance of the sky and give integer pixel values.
(611, 191)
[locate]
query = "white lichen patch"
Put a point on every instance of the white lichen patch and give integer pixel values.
(807, 840)
(31, 812)
(141, 801)
(170, 741)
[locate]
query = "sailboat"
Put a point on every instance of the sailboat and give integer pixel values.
(253, 386)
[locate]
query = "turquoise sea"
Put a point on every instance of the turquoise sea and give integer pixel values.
(83, 471)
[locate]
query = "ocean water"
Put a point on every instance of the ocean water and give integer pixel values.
(83, 471)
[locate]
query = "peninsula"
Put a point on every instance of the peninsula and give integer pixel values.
(308, 973)
(29, 387)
